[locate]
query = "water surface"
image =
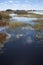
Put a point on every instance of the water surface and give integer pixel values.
(24, 46)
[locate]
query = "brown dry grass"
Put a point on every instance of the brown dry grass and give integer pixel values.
(31, 15)
(16, 24)
(3, 23)
(2, 37)
(39, 25)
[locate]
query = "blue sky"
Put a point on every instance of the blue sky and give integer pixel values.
(21, 4)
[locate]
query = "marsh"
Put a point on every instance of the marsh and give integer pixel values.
(25, 44)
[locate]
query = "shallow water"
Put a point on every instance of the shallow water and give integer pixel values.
(23, 50)
(25, 46)
(2, 28)
(24, 20)
(38, 12)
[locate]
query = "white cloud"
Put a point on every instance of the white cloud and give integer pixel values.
(18, 5)
(10, 1)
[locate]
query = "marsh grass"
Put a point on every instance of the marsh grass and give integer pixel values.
(38, 26)
(2, 37)
(31, 15)
(17, 24)
(4, 15)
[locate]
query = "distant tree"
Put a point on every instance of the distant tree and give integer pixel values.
(9, 10)
(21, 12)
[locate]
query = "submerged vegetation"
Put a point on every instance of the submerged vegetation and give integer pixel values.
(17, 24)
(38, 26)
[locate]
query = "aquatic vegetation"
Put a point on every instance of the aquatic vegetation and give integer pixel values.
(17, 24)
(38, 26)
(31, 15)
(3, 23)
(39, 20)
(19, 35)
(4, 15)
(2, 37)
(29, 40)
(2, 41)
(39, 35)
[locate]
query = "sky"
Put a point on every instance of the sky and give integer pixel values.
(21, 4)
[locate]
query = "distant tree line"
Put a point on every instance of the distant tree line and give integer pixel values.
(17, 11)
(21, 12)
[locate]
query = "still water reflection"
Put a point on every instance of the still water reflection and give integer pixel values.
(25, 46)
